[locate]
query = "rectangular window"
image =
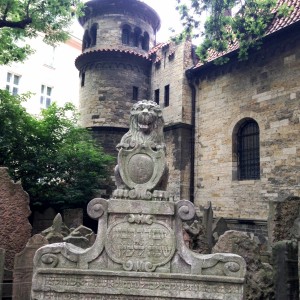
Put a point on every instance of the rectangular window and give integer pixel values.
(135, 93)
(12, 83)
(82, 79)
(156, 96)
(45, 98)
(167, 96)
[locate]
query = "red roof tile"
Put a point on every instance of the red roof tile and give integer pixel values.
(277, 24)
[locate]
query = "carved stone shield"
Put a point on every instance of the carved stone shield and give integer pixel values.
(141, 168)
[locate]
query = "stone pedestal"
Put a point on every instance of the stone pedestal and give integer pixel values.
(139, 253)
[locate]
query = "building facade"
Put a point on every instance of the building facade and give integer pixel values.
(232, 131)
(48, 74)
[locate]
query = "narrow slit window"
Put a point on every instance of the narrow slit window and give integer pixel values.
(167, 96)
(135, 93)
(156, 96)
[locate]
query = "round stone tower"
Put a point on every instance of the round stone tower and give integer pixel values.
(114, 66)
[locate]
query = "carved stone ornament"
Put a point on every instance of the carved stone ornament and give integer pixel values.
(141, 168)
(141, 160)
(139, 252)
(140, 243)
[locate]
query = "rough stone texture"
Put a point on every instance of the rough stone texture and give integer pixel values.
(285, 262)
(73, 218)
(15, 229)
(282, 218)
(140, 250)
(2, 258)
(23, 268)
(259, 276)
(265, 88)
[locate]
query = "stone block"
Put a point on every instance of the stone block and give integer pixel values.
(15, 229)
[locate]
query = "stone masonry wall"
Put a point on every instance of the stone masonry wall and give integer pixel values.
(265, 88)
(172, 61)
(107, 96)
(109, 33)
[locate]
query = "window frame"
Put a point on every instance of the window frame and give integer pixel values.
(12, 86)
(246, 150)
(45, 98)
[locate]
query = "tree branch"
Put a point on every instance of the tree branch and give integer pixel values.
(18, 24)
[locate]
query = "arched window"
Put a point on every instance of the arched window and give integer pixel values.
(93, 34)
(247, 143)
(145, 44)
(86, 41)
(126, 35)
(136, 37)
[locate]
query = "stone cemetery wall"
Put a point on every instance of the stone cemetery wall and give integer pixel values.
(15, 229)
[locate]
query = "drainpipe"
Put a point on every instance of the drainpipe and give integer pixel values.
(192, 84)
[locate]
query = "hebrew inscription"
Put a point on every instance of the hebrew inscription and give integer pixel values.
(140, 243)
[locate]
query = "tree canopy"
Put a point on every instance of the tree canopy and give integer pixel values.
(21, 19)
(58, 162)
(228, 22)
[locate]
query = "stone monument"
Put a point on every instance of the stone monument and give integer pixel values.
(139, 252)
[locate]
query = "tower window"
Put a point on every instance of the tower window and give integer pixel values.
(145, 44)
(156, 96)
(126, 35)
(136, 37)
(248, 150)
(167, 96)
(135, 93)
(82, 79)
(93, 34)
(86, 42)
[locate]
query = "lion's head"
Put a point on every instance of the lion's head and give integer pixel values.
(146, 124)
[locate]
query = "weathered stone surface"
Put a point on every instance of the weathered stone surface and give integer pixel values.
(137, 254)
(141, 172)
(73, 218)
(23, 268)
(259, 276)
(285, 262)
(139, 250)
(2, 258)
(15, 229)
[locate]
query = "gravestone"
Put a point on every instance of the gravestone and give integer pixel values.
(15, 229)
(139, 252)
(23, 267)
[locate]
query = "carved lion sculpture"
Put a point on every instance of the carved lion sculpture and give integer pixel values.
(145, 132)
(146, 126)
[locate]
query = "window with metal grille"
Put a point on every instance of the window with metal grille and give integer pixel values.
(248, 151)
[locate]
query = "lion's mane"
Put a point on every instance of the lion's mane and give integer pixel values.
(146, 126)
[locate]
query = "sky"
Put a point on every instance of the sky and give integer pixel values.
(168, 15)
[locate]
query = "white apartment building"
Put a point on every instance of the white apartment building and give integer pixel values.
(49, 73)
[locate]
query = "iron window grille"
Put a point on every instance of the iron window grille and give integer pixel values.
(248, 151)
